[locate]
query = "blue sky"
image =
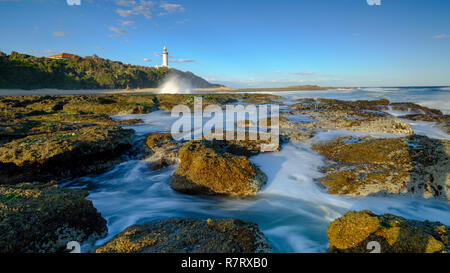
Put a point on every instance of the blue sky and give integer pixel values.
(247, 43)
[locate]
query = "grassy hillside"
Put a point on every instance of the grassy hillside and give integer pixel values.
(28, 72)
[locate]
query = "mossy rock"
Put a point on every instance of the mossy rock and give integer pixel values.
(158, 139)
(163, 150)
(353, 232)
(63, 154)
(360, 116)
(37, 217)
(189, 236)
(416, 166)
(206, 167)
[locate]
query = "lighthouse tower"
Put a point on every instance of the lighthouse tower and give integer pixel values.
(165, 57)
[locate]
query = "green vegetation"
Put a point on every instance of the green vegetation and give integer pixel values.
(64, 137)
(385, 223)
(8, 197)
(92, 72)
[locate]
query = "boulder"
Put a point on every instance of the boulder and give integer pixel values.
(209, 167)
(361, 116)
(189, 236)
(63, 154)
(244, 142)
(355, 230)
(163, 149)
(36, 217)
(416, 166)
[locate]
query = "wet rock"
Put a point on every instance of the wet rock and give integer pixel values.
(209, 167)
(369, 125)
(189, 236)
(164, 150)
(245, 124)
(289, 130)
(37, 217)
(283, 123)
(58, 154)
(353, 232)
(296, 135)
(261, 98)
(441, 121)
(27, 115)
(110, 104)
(414, 108)
(168, 101)
(416, 166)
(340, 105)
(244, 142)
(360, 116)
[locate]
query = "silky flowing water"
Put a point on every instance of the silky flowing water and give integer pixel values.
(293, 210)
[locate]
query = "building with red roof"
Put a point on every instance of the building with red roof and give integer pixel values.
(62, 56)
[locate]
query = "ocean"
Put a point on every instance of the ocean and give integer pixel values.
(293, 210)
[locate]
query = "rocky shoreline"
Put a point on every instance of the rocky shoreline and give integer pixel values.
(46, 138)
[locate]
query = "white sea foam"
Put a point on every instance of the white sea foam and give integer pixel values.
(175, 84)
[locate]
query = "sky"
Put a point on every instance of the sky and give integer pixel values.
(247, 43)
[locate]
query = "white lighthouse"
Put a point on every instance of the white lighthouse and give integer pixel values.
(165, 57)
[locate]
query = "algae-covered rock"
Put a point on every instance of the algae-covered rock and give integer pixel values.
(207, 167)
(353, 232)
(261, 98)
(361, 116)
(60, 154)
(244, 142)
(416, 166)
(164, 150)
(37, 217)
(189, 236)
(413, 108)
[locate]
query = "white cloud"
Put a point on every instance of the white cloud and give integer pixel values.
(302, 73)
(146, 60)
(182, 21)
(59, 34)
(182, 61)
(49, 51)
(441, 36)
(126, 23)
(143, 8)
(126, 3)
(125, 13)
(114, 35)
(73, 2)
(297, 73)
(118, 30)
(172, 7)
